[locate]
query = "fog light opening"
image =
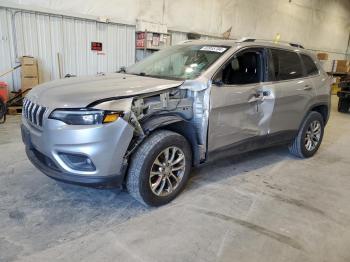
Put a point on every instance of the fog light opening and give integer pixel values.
(78, 162)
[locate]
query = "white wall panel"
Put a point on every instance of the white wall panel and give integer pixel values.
(5, 42)
(177, 37)
(47, 36)
(102, 36)
(56, 44)
(44, 48)
(69, 47)
(318, 24)
(122, 45)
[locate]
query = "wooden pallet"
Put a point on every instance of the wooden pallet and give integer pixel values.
(14, 110)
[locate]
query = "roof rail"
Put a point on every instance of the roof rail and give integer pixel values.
(296, 45)
(248, 39)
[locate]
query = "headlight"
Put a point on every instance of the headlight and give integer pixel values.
(84, 116)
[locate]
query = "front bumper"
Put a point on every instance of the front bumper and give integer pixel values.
(105, 145)
(94, 181)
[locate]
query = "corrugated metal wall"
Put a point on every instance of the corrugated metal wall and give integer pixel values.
(177, 37)
(47, 36)
(5, 47)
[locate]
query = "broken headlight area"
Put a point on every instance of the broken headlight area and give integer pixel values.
(85, 116)
(174, 101)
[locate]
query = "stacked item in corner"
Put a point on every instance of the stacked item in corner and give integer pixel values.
(29, 74)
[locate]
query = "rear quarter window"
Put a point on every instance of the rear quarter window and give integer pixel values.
(309, 64)
(286, 65)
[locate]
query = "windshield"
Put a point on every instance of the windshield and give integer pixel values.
(178, 62)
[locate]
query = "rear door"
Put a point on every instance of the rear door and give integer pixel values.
(291, 89)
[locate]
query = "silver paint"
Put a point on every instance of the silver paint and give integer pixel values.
(81, 91)
(222, 115)
(105, 144)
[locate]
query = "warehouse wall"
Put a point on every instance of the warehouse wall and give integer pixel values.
(48, 37)
(318, 24)
(6, 50)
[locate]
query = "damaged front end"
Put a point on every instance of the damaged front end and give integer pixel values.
(183, 109)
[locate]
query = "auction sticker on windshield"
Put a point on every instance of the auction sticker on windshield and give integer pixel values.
(217, 49)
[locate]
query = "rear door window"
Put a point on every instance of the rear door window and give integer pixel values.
(309, 64)
(286, 65)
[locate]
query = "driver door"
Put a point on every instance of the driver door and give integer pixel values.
(236, 96)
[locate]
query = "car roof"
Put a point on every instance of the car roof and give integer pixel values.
(249, 42)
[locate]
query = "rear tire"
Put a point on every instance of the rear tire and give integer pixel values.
(309, 137)
(159, 169)
(343, 105)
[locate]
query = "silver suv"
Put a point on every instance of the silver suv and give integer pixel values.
(146, 126)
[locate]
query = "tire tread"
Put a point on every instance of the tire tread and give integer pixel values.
(137, 160)
(296, 147)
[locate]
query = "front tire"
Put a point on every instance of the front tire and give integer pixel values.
(159, 168)
(309, 137)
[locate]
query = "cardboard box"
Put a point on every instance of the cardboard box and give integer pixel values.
(342, 66)
(140, 43)
(29, 82)
(29, 66)
(28, 60)
(322, 56)
(30, 70)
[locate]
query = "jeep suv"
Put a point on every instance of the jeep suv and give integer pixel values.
(148, 125)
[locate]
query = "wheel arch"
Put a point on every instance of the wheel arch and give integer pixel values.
(177, 124)
(323, 109)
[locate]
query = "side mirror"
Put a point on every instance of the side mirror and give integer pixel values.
(217, 79)
(218, 82)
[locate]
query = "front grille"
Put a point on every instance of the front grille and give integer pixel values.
(33, 112)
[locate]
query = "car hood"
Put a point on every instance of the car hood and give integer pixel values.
(82, 91)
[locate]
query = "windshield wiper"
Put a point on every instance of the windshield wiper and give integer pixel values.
(156, 76)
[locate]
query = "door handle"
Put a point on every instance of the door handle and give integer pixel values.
(256, 97)
(259, 95)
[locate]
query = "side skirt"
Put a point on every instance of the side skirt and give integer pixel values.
(258, 142)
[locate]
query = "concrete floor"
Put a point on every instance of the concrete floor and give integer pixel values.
(262, 206)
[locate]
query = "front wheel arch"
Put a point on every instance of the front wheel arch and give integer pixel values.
(177, 124)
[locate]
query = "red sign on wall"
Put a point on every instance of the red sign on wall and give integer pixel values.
(96, 46)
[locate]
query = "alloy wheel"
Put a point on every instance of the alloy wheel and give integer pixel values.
(167, 171)
(313, 135)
